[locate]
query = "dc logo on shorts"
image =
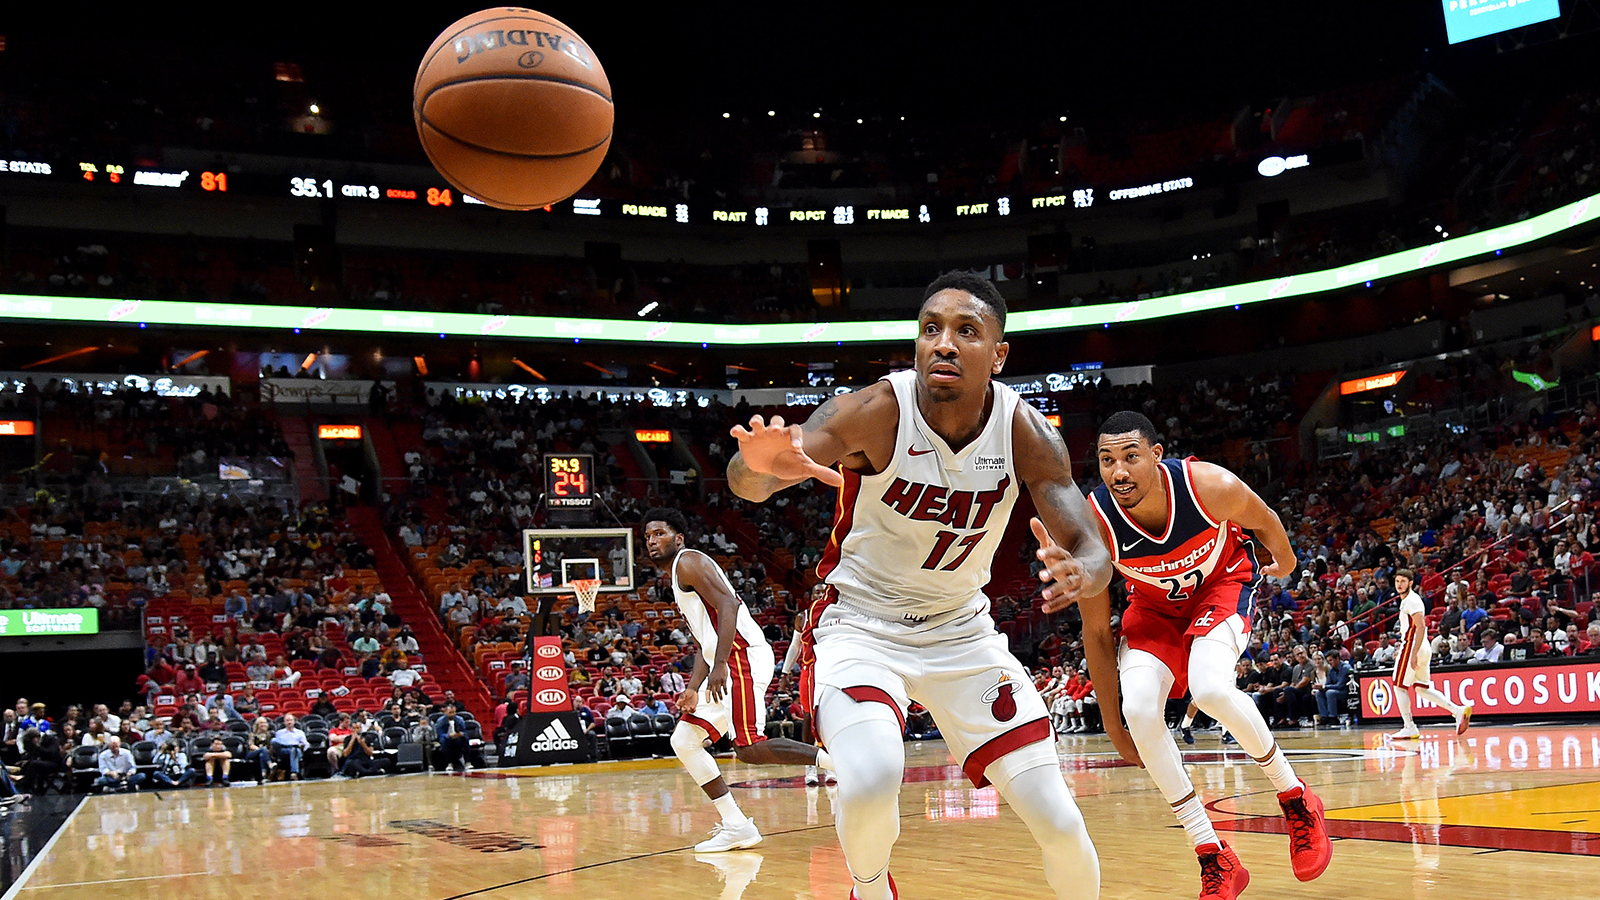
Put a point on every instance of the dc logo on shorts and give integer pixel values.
(1380, 696)
(999, 697)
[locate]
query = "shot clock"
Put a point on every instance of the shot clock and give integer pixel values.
(569, 481)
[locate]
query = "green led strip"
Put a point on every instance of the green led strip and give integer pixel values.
(88, 311)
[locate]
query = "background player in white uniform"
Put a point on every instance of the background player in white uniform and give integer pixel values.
(931, 461)
(727, 694)
(791, 666)
(1412, 671)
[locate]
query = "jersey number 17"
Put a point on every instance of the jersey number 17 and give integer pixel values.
(941, 548)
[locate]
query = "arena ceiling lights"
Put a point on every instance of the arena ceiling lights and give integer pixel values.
(92, 311)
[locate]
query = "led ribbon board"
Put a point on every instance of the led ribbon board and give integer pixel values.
(30, 622)
(92, 310)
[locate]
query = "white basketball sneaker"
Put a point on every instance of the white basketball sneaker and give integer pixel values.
(1407, 734)
(811, 776)
(724, 838)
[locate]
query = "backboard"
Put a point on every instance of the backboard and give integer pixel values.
(553, 557)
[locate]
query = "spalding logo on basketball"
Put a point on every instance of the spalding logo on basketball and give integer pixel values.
(1000, 700)
(549, 651)
(551, 697)
(1380, 696)
(550, 673)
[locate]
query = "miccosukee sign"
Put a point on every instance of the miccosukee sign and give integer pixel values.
(29, 622)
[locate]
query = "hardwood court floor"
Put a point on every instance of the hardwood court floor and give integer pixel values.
(1505, 811)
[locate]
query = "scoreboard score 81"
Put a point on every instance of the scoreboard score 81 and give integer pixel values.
(569, 481)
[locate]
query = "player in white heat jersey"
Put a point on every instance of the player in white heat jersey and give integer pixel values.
(931, 462)
(727, 694)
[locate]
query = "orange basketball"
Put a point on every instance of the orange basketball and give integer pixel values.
(513, 108)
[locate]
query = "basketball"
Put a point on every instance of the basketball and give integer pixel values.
(513, 108)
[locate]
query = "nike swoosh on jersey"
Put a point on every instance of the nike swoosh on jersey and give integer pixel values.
(1234, 566)
(1136, 542)
(915, 452)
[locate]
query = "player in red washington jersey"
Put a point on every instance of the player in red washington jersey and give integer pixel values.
(930, 465)
(1184, 534)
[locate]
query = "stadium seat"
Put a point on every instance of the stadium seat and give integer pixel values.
(619, 738)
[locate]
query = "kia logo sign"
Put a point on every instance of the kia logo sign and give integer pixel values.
(549, 651)
(551, 696)
(550, 673)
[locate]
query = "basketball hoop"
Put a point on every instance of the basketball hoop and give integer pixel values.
(585, 589)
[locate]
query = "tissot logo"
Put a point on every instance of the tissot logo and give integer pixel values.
(551, 696)
(550, 673)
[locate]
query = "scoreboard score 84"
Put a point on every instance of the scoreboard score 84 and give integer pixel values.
(569, 481)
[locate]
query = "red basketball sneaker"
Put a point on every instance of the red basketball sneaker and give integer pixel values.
(1309, 848)
(1222, 876)
(893, 891)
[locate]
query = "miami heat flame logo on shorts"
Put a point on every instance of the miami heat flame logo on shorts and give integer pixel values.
(1000, 699)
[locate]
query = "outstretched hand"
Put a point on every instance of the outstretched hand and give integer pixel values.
(773, 448)
(1062, 571)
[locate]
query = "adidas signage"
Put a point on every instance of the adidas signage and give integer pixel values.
(544, 738)
(554, 737)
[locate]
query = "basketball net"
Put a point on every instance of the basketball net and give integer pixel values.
(585, 589)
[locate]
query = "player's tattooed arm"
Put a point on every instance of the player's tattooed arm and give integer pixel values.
(773, 455)
(1070, 542)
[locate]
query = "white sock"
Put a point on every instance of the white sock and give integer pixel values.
(1403, 700)
(729, 810)
(1278, 770)
(1187, 721)
(876, 889)
(824, 761)
(1192, 816)
(1440, 700)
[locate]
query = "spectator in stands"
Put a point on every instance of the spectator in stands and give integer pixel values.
(1386, 652)
(630, 685)
(1331, 694)
(518, 679)
(394, 657)
(1298, 698)
(32, 716)
(780, 721)
(452, 731)
(214, 764)
(172, 767)
(1274, 680)
(359, 757)
(42, 759)
(672, 682)
(117, 769)
(1472, 616)
(289, 742)
(404, 676)
(1492, 649)
(1589, 644)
